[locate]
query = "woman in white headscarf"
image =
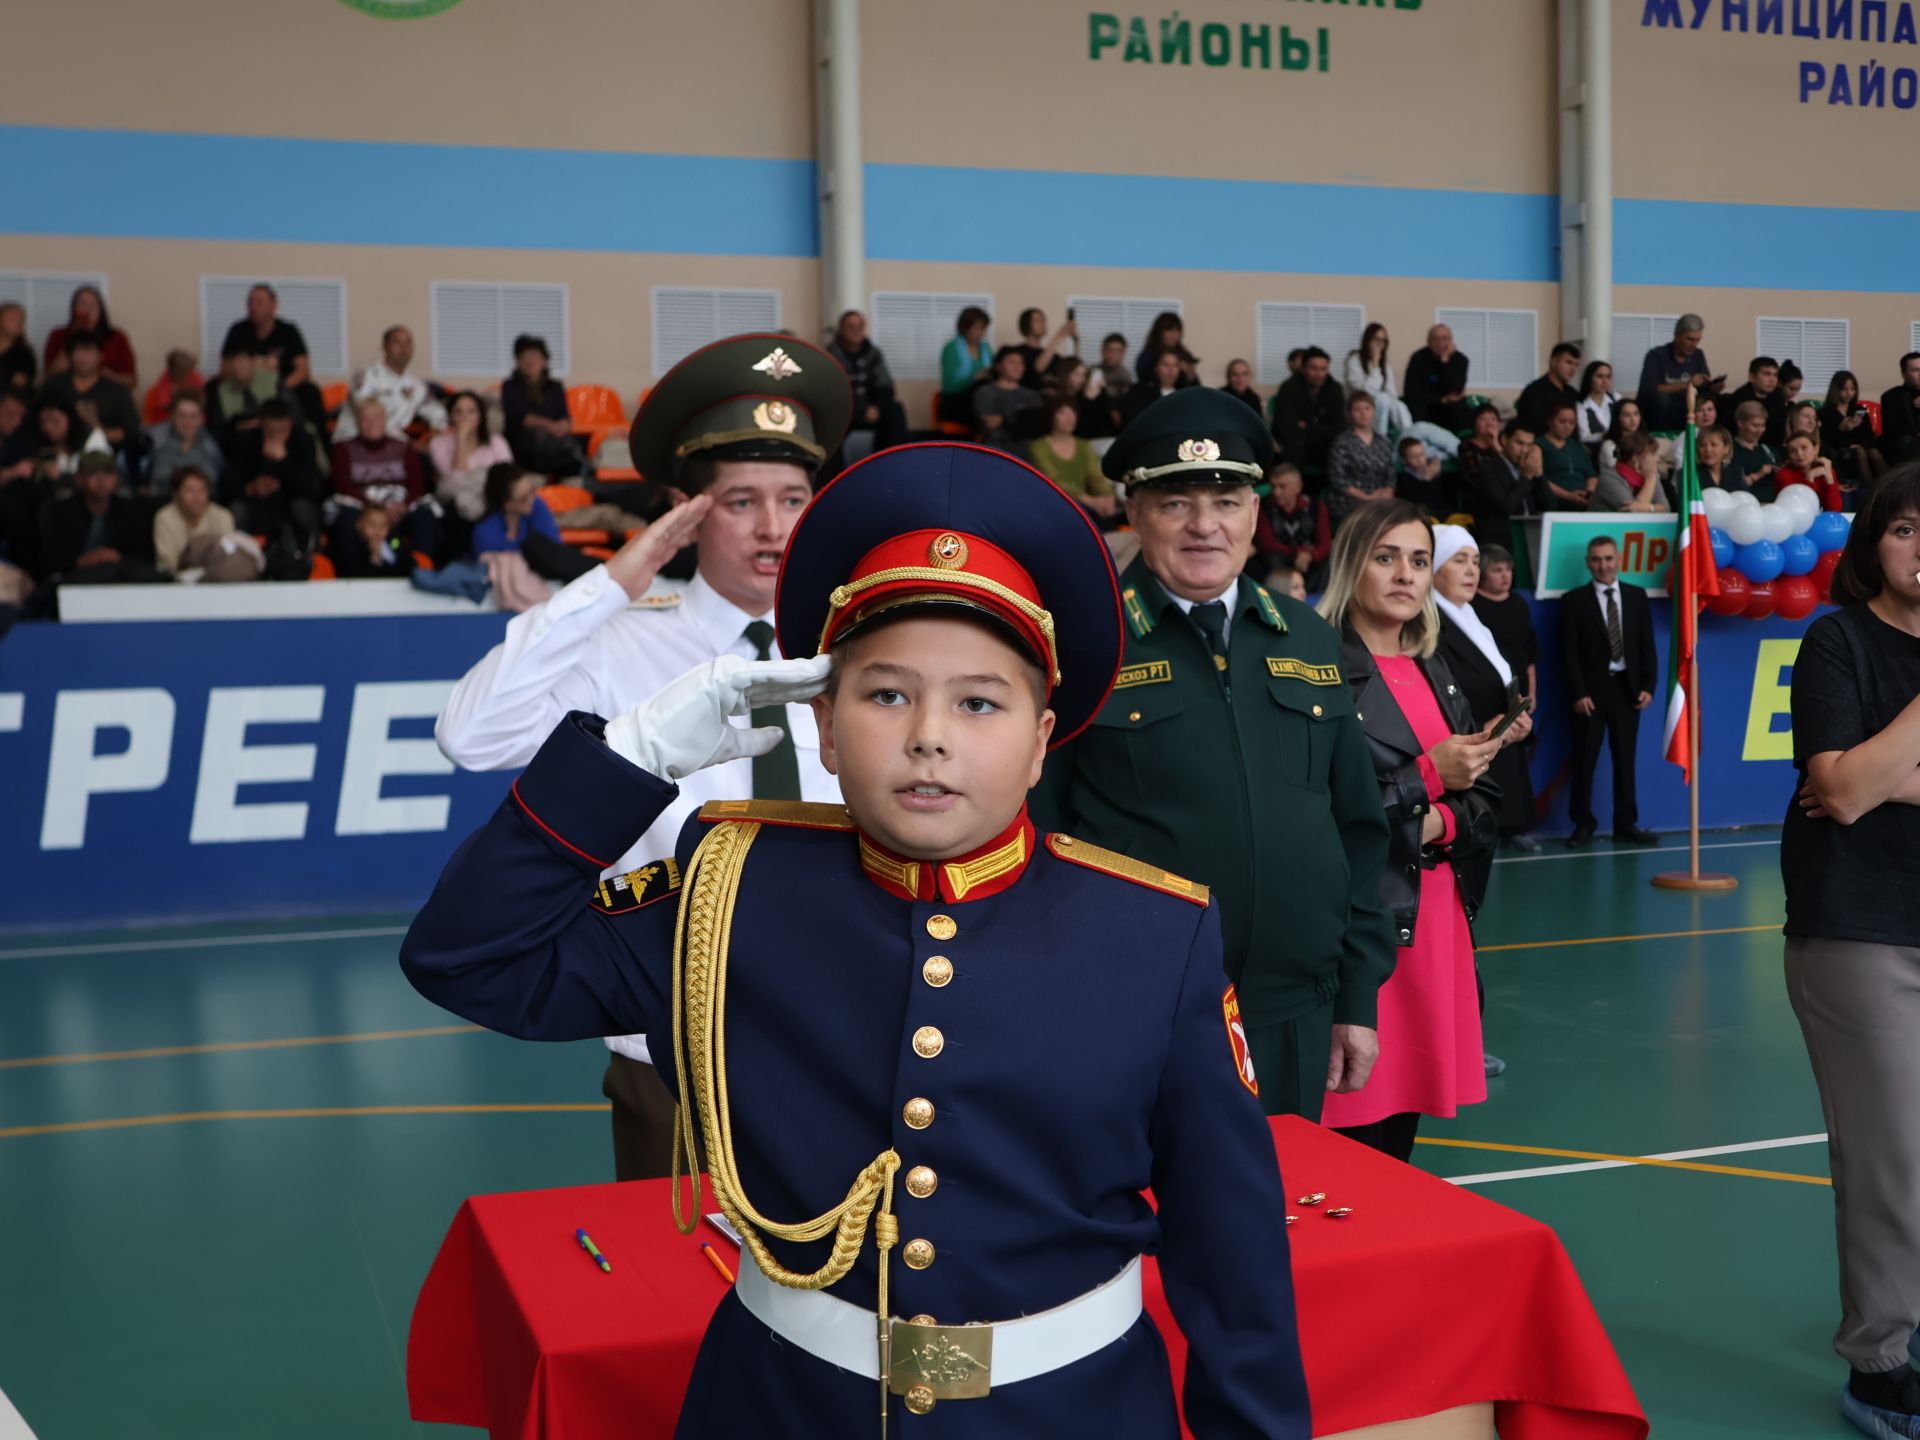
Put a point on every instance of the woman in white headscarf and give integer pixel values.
(1485, 677)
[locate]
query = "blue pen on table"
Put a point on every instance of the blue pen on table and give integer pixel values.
(586, 1244)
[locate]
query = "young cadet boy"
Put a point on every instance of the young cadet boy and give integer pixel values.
(965, 1047)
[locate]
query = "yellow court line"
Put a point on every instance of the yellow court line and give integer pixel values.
(1626, 939)
(129, 1122)
(1618, 1159)
(229, 1046)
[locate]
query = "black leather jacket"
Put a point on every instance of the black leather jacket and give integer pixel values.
(1403, 790)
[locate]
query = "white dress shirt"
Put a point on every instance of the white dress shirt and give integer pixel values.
(1600, 592)
(589, 649)
(1226, 596)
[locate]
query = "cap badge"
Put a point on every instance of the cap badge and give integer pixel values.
(775, 414)
(1191, 450)
(778, 365)
(948, 551)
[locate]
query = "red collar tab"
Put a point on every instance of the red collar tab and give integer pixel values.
(951, 566)
(988, 870)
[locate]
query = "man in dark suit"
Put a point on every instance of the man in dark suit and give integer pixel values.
(1900, 413)
(1607, 633)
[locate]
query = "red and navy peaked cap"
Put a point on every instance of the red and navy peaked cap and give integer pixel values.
(958, 529)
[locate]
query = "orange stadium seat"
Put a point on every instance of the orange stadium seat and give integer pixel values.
(322, 569)
(333, 396)
(154, 408)
(596, 413)
(562, 498)
(951, 428)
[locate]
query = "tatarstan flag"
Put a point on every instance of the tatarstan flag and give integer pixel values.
(1694, 579)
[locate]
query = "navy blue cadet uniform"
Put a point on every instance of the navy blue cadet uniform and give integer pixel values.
(1082, 1056)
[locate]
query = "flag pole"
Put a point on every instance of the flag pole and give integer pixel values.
(1691, 878)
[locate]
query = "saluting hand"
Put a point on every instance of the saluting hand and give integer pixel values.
(639, 560)
(686, 727)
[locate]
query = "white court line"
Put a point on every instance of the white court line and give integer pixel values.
(132, 947)
(1542, 1171)
(1679, 849)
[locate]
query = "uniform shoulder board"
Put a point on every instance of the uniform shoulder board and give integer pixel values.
(617, 894)
(802, 813)
(1112, 862)
(656, 600)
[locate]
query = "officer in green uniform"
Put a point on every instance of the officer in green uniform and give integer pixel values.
(1229, 750)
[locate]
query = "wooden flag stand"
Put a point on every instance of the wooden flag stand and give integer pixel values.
(1691, 878)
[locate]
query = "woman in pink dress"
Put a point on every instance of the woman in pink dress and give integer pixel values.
(1432, 763)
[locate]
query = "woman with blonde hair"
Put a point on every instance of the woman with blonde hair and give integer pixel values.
(1431, 762)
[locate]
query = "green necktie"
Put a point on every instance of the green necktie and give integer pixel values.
(1212, 620)
(776, 774)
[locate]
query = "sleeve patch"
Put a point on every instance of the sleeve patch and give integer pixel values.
(1237, 1040)
(618, 894)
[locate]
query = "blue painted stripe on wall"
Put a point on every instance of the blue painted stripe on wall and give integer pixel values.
(1764, 247)
(151, 185)
(1034, 217)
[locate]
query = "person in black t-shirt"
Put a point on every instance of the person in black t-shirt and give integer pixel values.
(278, 345)
(1850, 857)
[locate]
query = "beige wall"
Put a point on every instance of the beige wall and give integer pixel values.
(155, 291)
(1458, 94)
(569, 74)
(1706, 115)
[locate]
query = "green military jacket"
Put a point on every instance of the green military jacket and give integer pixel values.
(1254, 780)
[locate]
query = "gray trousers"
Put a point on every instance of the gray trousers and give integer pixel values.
(1859, 1009)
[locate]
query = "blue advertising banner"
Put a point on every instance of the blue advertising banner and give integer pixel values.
(240, 767)
(167, 770)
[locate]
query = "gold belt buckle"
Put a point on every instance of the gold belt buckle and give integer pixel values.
(941, 1362)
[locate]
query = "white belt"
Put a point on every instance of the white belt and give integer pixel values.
(829, 1328)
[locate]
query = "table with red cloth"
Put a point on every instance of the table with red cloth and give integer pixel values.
(1426, 1298)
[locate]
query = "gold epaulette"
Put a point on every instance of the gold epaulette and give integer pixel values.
(1112, 862)
(617, 894)
(803, 813)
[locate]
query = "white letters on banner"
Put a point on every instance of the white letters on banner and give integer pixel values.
(76, 771)
(227, 762)
(372, 755)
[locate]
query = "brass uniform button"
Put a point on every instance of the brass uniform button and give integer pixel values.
(918, 1113)
(937, 971)
(923, 1320)
(920, 1399)
(928, 1042)
(941, 927)
(1219, 662)
(1318, 711)
(917, 1253)
(922, 1182)
(1134, 715)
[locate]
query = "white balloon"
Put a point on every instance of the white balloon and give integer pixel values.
(1717, 503)
(1746, 499)
(1777, 523)
(1745, 525)
(1799, 497)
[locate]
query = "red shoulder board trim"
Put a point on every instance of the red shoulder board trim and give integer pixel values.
(1112, 862)
(802, 813)
(635, 890)
(1237, 1039)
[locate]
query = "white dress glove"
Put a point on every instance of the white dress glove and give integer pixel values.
(686, 728)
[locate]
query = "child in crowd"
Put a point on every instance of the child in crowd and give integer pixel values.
(1807, 466)
(367, 550)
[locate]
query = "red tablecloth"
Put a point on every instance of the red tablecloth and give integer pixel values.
(1426, 1298)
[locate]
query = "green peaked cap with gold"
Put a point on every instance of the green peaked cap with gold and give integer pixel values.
(749, 397)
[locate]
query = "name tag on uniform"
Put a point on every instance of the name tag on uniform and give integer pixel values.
(1287, 667)
(1153, 672)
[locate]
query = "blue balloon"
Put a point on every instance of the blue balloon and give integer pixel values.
(1760, 561)
(1828, 531)
(1722, 547)
(1798, 554)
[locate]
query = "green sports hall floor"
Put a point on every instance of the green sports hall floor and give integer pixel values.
(213, 1222)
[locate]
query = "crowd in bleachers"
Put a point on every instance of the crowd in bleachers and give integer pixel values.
(255, 472)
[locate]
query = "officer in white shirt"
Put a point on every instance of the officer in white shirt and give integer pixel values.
(739, 427)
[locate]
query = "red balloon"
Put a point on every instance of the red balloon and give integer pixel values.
(1761, 598)
(1732, 599)
(1822, 572)
(1795, 597)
